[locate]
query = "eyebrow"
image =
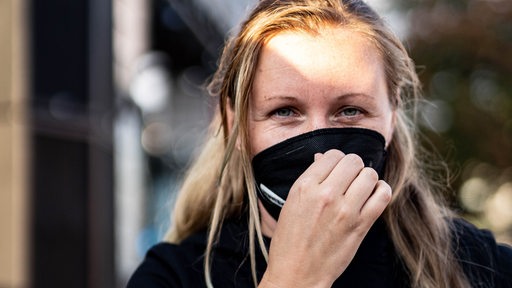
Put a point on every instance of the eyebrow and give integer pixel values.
(279, 97)
(295, 99)
(358, 94)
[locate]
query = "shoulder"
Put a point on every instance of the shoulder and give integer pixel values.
(171, 265)
(482, 258)
(182, 265)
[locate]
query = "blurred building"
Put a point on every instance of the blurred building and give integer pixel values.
(14, 150)
(102, 107)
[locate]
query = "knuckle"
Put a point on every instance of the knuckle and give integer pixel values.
(344, 212)
(384, 185)
(326, 197)
(387, 195)
(349, 211)
(347, 216)
(335, 153)
(355, 160)
(385, 191)
(371, 173)
(302, 183)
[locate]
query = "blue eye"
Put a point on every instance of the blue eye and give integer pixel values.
(350, 112)
(283, 112)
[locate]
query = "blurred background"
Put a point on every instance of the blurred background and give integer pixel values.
(102, 105)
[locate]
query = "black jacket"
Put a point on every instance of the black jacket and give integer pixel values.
(376, 264)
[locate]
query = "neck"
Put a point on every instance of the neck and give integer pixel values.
(268, 223)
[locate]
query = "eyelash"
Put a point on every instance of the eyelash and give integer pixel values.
(292, 111)
(352, 109)
(287, 109)
(354, 113)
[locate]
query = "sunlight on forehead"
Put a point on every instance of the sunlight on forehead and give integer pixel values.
(335, 58)
(338, 46)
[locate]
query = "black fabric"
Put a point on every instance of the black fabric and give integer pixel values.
(279, 166)
(486, 263)
(168, 265)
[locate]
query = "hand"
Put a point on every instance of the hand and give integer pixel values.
(328, 212)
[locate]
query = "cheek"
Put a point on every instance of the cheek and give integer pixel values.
(256, 140)
(261, 138)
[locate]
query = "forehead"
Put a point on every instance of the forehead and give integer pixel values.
(335, 56)
(331, 44)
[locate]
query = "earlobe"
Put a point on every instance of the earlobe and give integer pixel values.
(230, 115)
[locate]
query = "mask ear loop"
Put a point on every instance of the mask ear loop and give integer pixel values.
(271, 196)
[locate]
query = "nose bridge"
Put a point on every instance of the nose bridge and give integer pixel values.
(318, 121)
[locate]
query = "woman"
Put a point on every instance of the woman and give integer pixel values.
(311, 175)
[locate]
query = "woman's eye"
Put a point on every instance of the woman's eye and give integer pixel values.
(283, 112)
(350, 112)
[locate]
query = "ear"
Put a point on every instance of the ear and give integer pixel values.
(230, 115)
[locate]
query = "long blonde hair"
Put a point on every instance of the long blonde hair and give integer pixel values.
(221, 177)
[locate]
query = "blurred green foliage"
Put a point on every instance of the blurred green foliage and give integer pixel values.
(463, 49)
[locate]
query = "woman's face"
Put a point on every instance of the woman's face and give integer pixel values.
(305, 82)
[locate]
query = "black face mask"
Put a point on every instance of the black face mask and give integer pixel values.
(278, 167)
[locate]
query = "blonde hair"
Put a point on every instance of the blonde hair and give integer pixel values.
(221, 177)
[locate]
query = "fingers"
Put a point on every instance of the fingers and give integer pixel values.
(359, 187)
(344, 173)
(322, 167)
(362, 187)
(345, 176)
(378, 201)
